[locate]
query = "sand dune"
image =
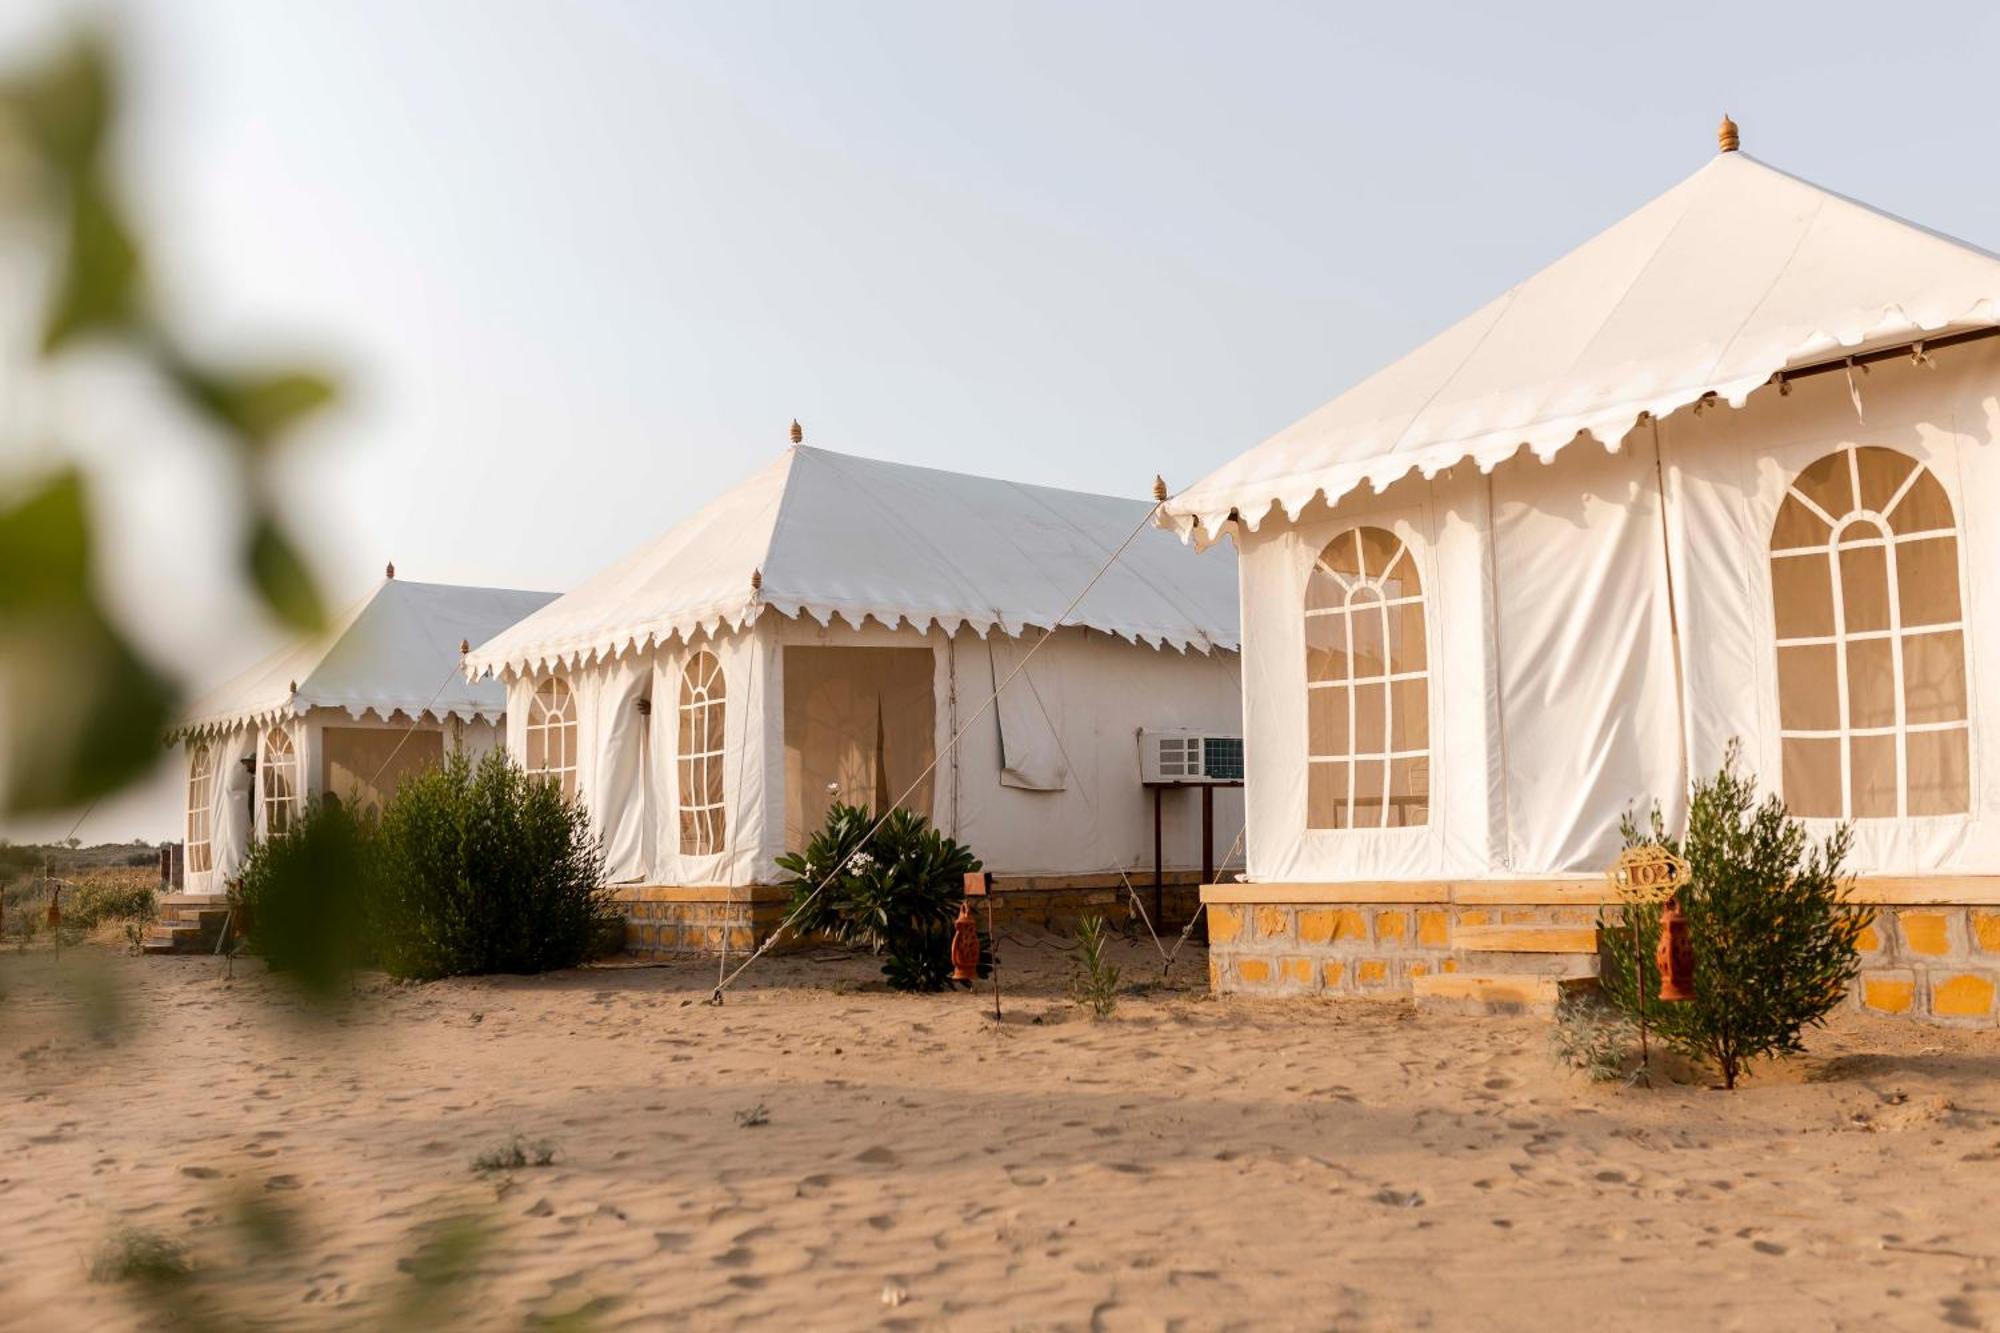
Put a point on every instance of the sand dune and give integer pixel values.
(1191, 1162)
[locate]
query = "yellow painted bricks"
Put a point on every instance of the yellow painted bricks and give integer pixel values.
(1329, 925)
(1965, 995)
(1888, 992)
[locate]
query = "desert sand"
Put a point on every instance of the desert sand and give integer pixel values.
(818, 1152)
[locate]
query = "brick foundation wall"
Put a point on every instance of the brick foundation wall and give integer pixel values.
(1935, 962)
(1376, 948)
(677, 921)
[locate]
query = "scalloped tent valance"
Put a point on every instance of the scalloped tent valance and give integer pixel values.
(396, 651)
(1738, 273)
(824, 535)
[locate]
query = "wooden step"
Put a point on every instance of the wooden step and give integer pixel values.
(1525, 939)
(1497, 994)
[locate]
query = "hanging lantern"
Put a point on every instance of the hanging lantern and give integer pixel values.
(55, 909)
(964, 946)
(1675, 954)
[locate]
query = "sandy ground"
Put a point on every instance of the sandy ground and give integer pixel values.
(1190, 1163)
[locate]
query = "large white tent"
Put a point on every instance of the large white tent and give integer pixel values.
(1730, 470)
(824, 629)
(376, 696)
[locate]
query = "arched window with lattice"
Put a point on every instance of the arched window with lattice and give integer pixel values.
(278, 773)
(551, 733)
(1870, 640)
(1367, 686)
(200, 855)
(699, 756)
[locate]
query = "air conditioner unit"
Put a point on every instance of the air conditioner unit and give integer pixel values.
(1189, 757)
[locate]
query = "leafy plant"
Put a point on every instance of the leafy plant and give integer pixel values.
(1095, 981)
(896, 893)
(302, 897)
(83, 705)
(485, 869)
(143, 1257)
(1772, 928)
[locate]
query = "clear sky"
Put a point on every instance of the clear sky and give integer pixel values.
(582, 263)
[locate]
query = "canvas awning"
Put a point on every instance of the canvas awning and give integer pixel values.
(394, 651)
(1737, 273)
(828, 535)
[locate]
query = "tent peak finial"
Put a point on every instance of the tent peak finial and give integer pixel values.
(390, 572)
(1726, 137)
(756, 580)
(798, 432)
(1159, 489)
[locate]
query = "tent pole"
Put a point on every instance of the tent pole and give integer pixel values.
(1159, 861)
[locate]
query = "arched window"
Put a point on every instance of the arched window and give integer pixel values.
(700, 755)
(1871, 646)
(200, 805)
(1367, 686)
(279, 768)
(552, 733)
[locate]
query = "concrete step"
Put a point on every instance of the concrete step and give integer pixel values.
(1525, 939)
(167, 900)
(1489, 993)
(202, 918)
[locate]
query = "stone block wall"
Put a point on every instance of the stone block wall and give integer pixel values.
(1939, 963)
(676, 922)
(1355, 948)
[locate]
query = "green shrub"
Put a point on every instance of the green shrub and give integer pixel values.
(896, 893)
(486, 869)
(1095, 982)
(1773, 932)
(111, 896)
(303, 897)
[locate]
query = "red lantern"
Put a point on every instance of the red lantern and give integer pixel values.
(1675, 955)
(964, 946)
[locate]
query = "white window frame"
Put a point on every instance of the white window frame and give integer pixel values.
(703, 704)
(200, 854)
(1896, 633)
(278, 779)
(1368, 588)
(552, 721)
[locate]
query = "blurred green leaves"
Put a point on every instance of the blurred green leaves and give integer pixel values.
(84, 711)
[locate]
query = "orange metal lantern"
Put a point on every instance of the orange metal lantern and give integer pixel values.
(55, 909)
(964, 946)
(1675, 954)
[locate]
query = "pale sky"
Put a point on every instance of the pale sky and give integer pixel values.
(583, 263)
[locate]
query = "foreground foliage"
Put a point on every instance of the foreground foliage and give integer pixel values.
(896, 893)
(1773, 933)
(1095, 980)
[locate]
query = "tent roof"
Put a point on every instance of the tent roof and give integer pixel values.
(396, 650)
(1738, 272)
(827, 534)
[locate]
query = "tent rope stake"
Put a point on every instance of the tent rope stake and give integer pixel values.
(791, 918)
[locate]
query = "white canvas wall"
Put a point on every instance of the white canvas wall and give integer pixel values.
(1561, 694)
(1727, 473)
(1092, 691)
(1443, 524)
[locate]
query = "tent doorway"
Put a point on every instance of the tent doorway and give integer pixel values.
(860, 725)
(363, 766)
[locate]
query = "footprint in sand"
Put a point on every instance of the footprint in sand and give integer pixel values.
(877, 1156)
(1026, 1178)
(811, 1187)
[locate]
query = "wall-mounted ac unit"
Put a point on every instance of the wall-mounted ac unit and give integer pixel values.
(1191, 757)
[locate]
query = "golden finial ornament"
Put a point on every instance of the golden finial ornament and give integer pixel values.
(1159, 489)
(756, 580)
(1726, 137)
(798, 432)
(390, 572)
(464, 647)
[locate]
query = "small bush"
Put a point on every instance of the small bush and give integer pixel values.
(896, 893)
(1095, 982)
(1773, 932)
(142, 1257)
(1593, 1037)
(302, 897)
(486, 869)
(112, 896)
(516, 1154)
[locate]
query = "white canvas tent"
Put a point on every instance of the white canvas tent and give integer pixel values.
(348, 714)
(1540, 570)
(823, 629)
